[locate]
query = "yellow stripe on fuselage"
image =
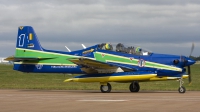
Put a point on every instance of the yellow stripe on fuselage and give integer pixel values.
(167, 78)
(124, 78)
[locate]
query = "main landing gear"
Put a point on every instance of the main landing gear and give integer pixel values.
(181, 89)
(134, 86)
(106, 87)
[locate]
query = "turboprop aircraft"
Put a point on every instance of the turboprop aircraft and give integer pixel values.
(101, 63)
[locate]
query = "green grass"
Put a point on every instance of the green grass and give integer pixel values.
(10, 79)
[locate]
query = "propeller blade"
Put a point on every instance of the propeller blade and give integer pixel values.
(189, 73)
(191, 49)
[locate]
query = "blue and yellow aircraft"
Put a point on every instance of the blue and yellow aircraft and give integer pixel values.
(101, 63)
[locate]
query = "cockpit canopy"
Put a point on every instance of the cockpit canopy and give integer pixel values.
(122, 48)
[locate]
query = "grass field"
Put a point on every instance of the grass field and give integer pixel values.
(10, 79)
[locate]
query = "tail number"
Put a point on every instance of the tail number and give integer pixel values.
(21, 40)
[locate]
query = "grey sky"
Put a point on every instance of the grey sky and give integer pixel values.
(161, 26)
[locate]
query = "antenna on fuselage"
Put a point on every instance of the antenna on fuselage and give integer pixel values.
(83, 46)
(67, 48)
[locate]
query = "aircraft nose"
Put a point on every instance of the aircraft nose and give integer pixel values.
(190, 62)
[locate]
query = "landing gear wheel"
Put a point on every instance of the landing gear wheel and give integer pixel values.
(105, 88)
(134, 87)
(181, 89)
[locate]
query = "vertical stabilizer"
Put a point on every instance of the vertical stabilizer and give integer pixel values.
(26, 40)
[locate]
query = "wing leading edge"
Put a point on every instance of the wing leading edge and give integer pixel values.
(92, 66)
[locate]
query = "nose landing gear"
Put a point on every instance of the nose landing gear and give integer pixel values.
(181, 89)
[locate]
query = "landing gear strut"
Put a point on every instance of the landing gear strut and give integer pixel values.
(181, 89)
(105, 88)
(134, 86)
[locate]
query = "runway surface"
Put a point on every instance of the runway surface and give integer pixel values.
(95, 101)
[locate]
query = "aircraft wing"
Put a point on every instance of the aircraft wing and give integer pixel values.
(93, 66)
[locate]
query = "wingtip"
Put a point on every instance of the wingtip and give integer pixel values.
(10, 58)
(68, 80)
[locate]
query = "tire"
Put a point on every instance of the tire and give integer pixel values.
(181, 89)
(134, 87)
(105, 88)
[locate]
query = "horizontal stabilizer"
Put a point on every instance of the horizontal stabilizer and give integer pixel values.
(12, 58)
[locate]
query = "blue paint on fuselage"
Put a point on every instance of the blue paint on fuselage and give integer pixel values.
(47, 68)
(153, 57)
(76, 53)
(27, 39)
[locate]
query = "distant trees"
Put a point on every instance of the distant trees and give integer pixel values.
(195, 58)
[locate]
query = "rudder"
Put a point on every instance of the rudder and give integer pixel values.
(27, 39)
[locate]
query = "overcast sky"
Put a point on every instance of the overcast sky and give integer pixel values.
(163, 26)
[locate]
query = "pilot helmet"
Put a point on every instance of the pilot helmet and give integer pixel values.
(138, 49)
(107, 46)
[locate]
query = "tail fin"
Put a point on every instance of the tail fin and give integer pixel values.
(27, 39)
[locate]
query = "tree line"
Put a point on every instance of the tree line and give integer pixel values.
(195, 58)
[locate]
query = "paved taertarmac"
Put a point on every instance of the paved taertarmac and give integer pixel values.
(95, 101)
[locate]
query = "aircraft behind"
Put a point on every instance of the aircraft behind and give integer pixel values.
(101, 63)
